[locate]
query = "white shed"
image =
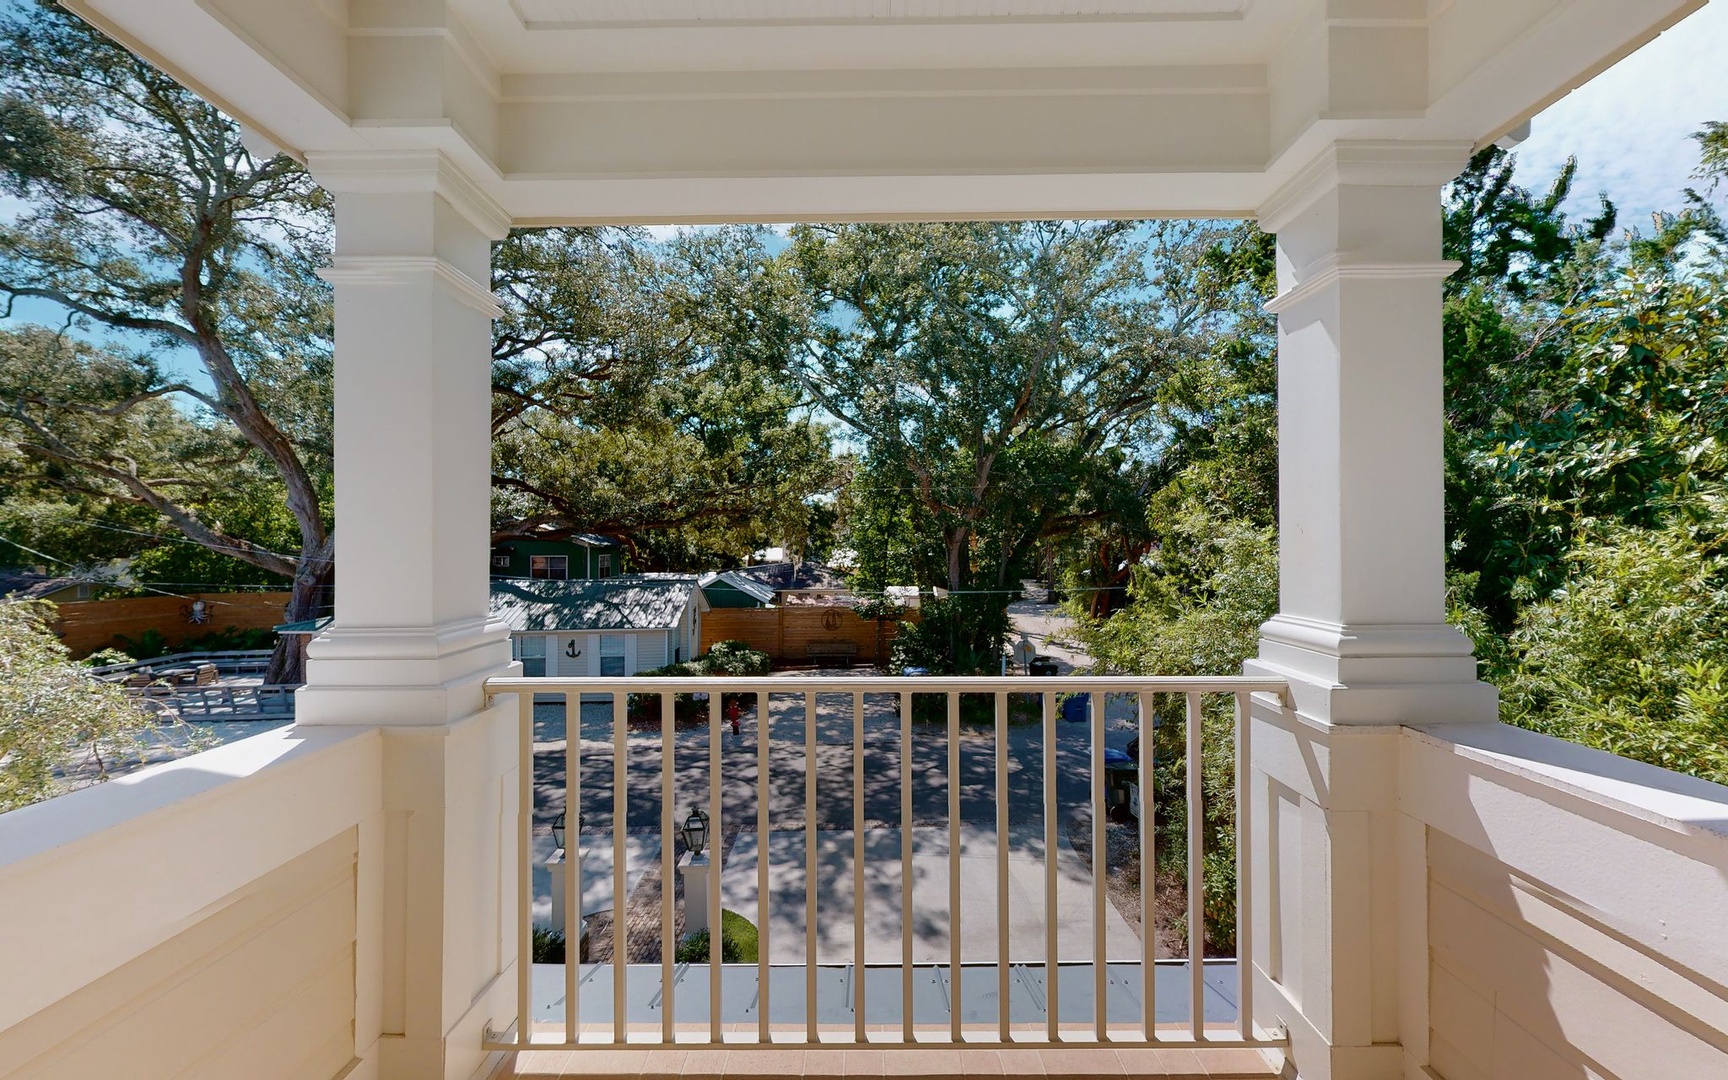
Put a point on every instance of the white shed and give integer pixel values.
(610, 628)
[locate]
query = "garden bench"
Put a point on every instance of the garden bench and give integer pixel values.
(831, 650)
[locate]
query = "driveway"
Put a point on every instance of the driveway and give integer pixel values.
(834, 763)
(930, 927)
(1049, 629)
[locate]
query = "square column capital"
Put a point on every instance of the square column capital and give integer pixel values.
(1373, 163)
(411, 172)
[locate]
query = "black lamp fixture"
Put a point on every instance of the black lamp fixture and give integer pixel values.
(558, 830)
(695, 831)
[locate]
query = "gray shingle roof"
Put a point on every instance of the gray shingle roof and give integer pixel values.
(646, 602)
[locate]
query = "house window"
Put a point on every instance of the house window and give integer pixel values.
(84, 590)
(532, 652)
(605, 567)
(611, 656)
(554, 567)
(500, 562)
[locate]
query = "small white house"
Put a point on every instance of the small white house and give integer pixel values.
(608, 628)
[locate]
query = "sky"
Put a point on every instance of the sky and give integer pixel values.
(1631, 126)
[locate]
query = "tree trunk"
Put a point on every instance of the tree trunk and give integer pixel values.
(287, 663)
(956, 542)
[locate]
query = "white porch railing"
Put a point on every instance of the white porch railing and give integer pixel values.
(896, 1021)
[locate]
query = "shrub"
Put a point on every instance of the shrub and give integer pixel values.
(735, 658)
(1628, 656)
(958, 635)
(548, 946)
(52, 713)
(738, 942)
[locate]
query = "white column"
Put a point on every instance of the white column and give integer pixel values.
(412, 642)
(1362, 620)
(412, 638)
(1361, 632)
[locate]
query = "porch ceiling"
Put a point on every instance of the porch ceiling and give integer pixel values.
(706, 110)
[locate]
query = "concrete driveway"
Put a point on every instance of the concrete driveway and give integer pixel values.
(929, 925)
(881, 763)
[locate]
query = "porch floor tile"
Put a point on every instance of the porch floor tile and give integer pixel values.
(938, 1063)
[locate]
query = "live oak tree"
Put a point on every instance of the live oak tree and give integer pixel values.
(146, 220)
(998, 378)
(639, 391)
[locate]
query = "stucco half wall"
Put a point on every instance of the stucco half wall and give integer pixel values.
(1575, 910)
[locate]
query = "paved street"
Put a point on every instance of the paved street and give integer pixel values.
(787, 760)
(930, 926)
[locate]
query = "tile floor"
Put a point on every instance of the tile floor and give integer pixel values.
(937, 1063)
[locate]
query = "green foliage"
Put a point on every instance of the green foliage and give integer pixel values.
(735, 658)
(1196, 609)
(639, 391)
(738, 942)
(723, 658)
(1197, 604)
(54, 718)
(143, 217)
(988, 372)
(1630, 655)
(965, 634)
(153, 643)
(547, 945)
(1587, 409)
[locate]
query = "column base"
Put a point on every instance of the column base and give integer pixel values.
(396, 676)
(1376, 674)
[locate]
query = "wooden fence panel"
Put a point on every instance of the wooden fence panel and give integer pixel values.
(758, 628)
(88, 625)
(787, 633)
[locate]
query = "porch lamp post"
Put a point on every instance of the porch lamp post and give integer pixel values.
(694, 866)
(560, 868)
(695, 831)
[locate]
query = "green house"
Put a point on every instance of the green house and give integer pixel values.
(582, 557)
(733, 590)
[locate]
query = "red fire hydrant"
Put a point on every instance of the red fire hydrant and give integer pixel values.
(732, 711)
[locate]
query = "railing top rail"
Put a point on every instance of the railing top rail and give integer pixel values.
(869, 684)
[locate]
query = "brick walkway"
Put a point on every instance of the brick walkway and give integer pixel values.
(642, 914)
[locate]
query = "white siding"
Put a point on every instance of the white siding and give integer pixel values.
(650, 650)
(259, 985)
(559, 660)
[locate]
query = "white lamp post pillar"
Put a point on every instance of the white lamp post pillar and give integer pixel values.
(1361, 632)
(695, 869)
(412, 641)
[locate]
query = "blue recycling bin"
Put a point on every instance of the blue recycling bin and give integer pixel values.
(1074, 708)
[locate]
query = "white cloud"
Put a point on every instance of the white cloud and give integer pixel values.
(1631, 126)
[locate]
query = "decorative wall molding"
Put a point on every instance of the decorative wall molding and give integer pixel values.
(1332, 269)
(378, 270)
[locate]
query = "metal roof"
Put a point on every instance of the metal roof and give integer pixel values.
(27, 586)
(305, 626)
(758, 591)
(639, 602)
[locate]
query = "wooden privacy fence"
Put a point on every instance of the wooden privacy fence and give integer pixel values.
(790, 634)
(88, 625)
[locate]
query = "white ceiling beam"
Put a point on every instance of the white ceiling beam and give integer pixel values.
(1075, 135)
